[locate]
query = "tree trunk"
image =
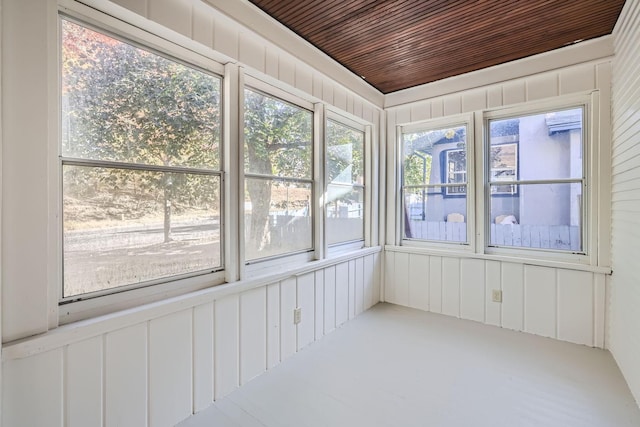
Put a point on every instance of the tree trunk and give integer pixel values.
(167, 184)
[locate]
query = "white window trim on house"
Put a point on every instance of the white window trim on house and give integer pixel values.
(65, 310)
(434, 124)
(594, 143)
(360, 125)
(235, 78)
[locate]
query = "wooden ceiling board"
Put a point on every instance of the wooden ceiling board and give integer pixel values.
(397, 44)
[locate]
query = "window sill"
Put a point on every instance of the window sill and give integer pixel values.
(85, 329)
(504, 258)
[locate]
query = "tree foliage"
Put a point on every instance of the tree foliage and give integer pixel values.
(124, 104)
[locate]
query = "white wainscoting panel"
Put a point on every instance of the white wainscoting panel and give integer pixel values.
(159, 370)
(565, 304)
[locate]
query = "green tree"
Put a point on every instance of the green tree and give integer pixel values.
(278, 143)
(125, 104)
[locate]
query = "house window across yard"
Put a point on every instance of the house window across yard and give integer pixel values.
(140, 164)
(278, 159)
(345, 183)
(434, 183)
(536, 187)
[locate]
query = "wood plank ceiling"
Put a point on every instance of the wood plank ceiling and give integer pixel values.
(397, 44)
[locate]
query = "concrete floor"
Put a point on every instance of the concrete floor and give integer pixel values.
(396, 366)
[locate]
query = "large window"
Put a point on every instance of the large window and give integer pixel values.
(434, 183)
(535, 186)
(345, 183)
(278, 154)
(140, 159)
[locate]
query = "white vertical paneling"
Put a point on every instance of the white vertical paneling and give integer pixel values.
(575, 306)
(288, 333)
(350, 100)
(437, 108)
(202, 356)
(451, 286)
(340, 98)
(126, 377)
(83, 379)
(543, 86)
(319, 304)
(472, 289)
(272, 62)
(304, 79)
(342, 293)
(401, 279)
(474, 100)
(577, 79)
(377, 277)
(389, 276)
(317, 85)
(624, 315)
(599, 310)
(403, 115)
(452, 105)
(137, 6)
(358, 107)
(306, 294)
(359, 282)
(202, 27)
(25, 32)
(174, 14)
(251, 52)
(369, 282)
(170, 369)
(513, 92)
(435, 284)
(420, 111)
(329, 299)
(494, 96)
(225, 37)
(352, 289)
(327, 91)
(418, 281)
(513, 296)
(273, 325)
(540, 300)
(32, 390)
(226, 343)
(492, 281)
(253, 333)
(287, 69)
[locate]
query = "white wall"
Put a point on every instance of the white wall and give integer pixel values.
(625, 287)
(158, 363)
(550, 299)
(158, 366)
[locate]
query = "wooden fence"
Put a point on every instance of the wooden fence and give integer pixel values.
(563, 237)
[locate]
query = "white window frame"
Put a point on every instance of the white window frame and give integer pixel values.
(99, 303)
(359, 125)
(467, 120)
(590, 141)
(272, 264)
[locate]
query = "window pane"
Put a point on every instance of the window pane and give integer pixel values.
(547, 216)
(125, 227)
(277, 137)
(121, 103)
(277, 218)
(345, 154)
(536, 147)
(345, 213)
(435, 156)
(430, 215)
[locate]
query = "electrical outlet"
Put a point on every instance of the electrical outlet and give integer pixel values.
(496, 295)
(297, 315)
